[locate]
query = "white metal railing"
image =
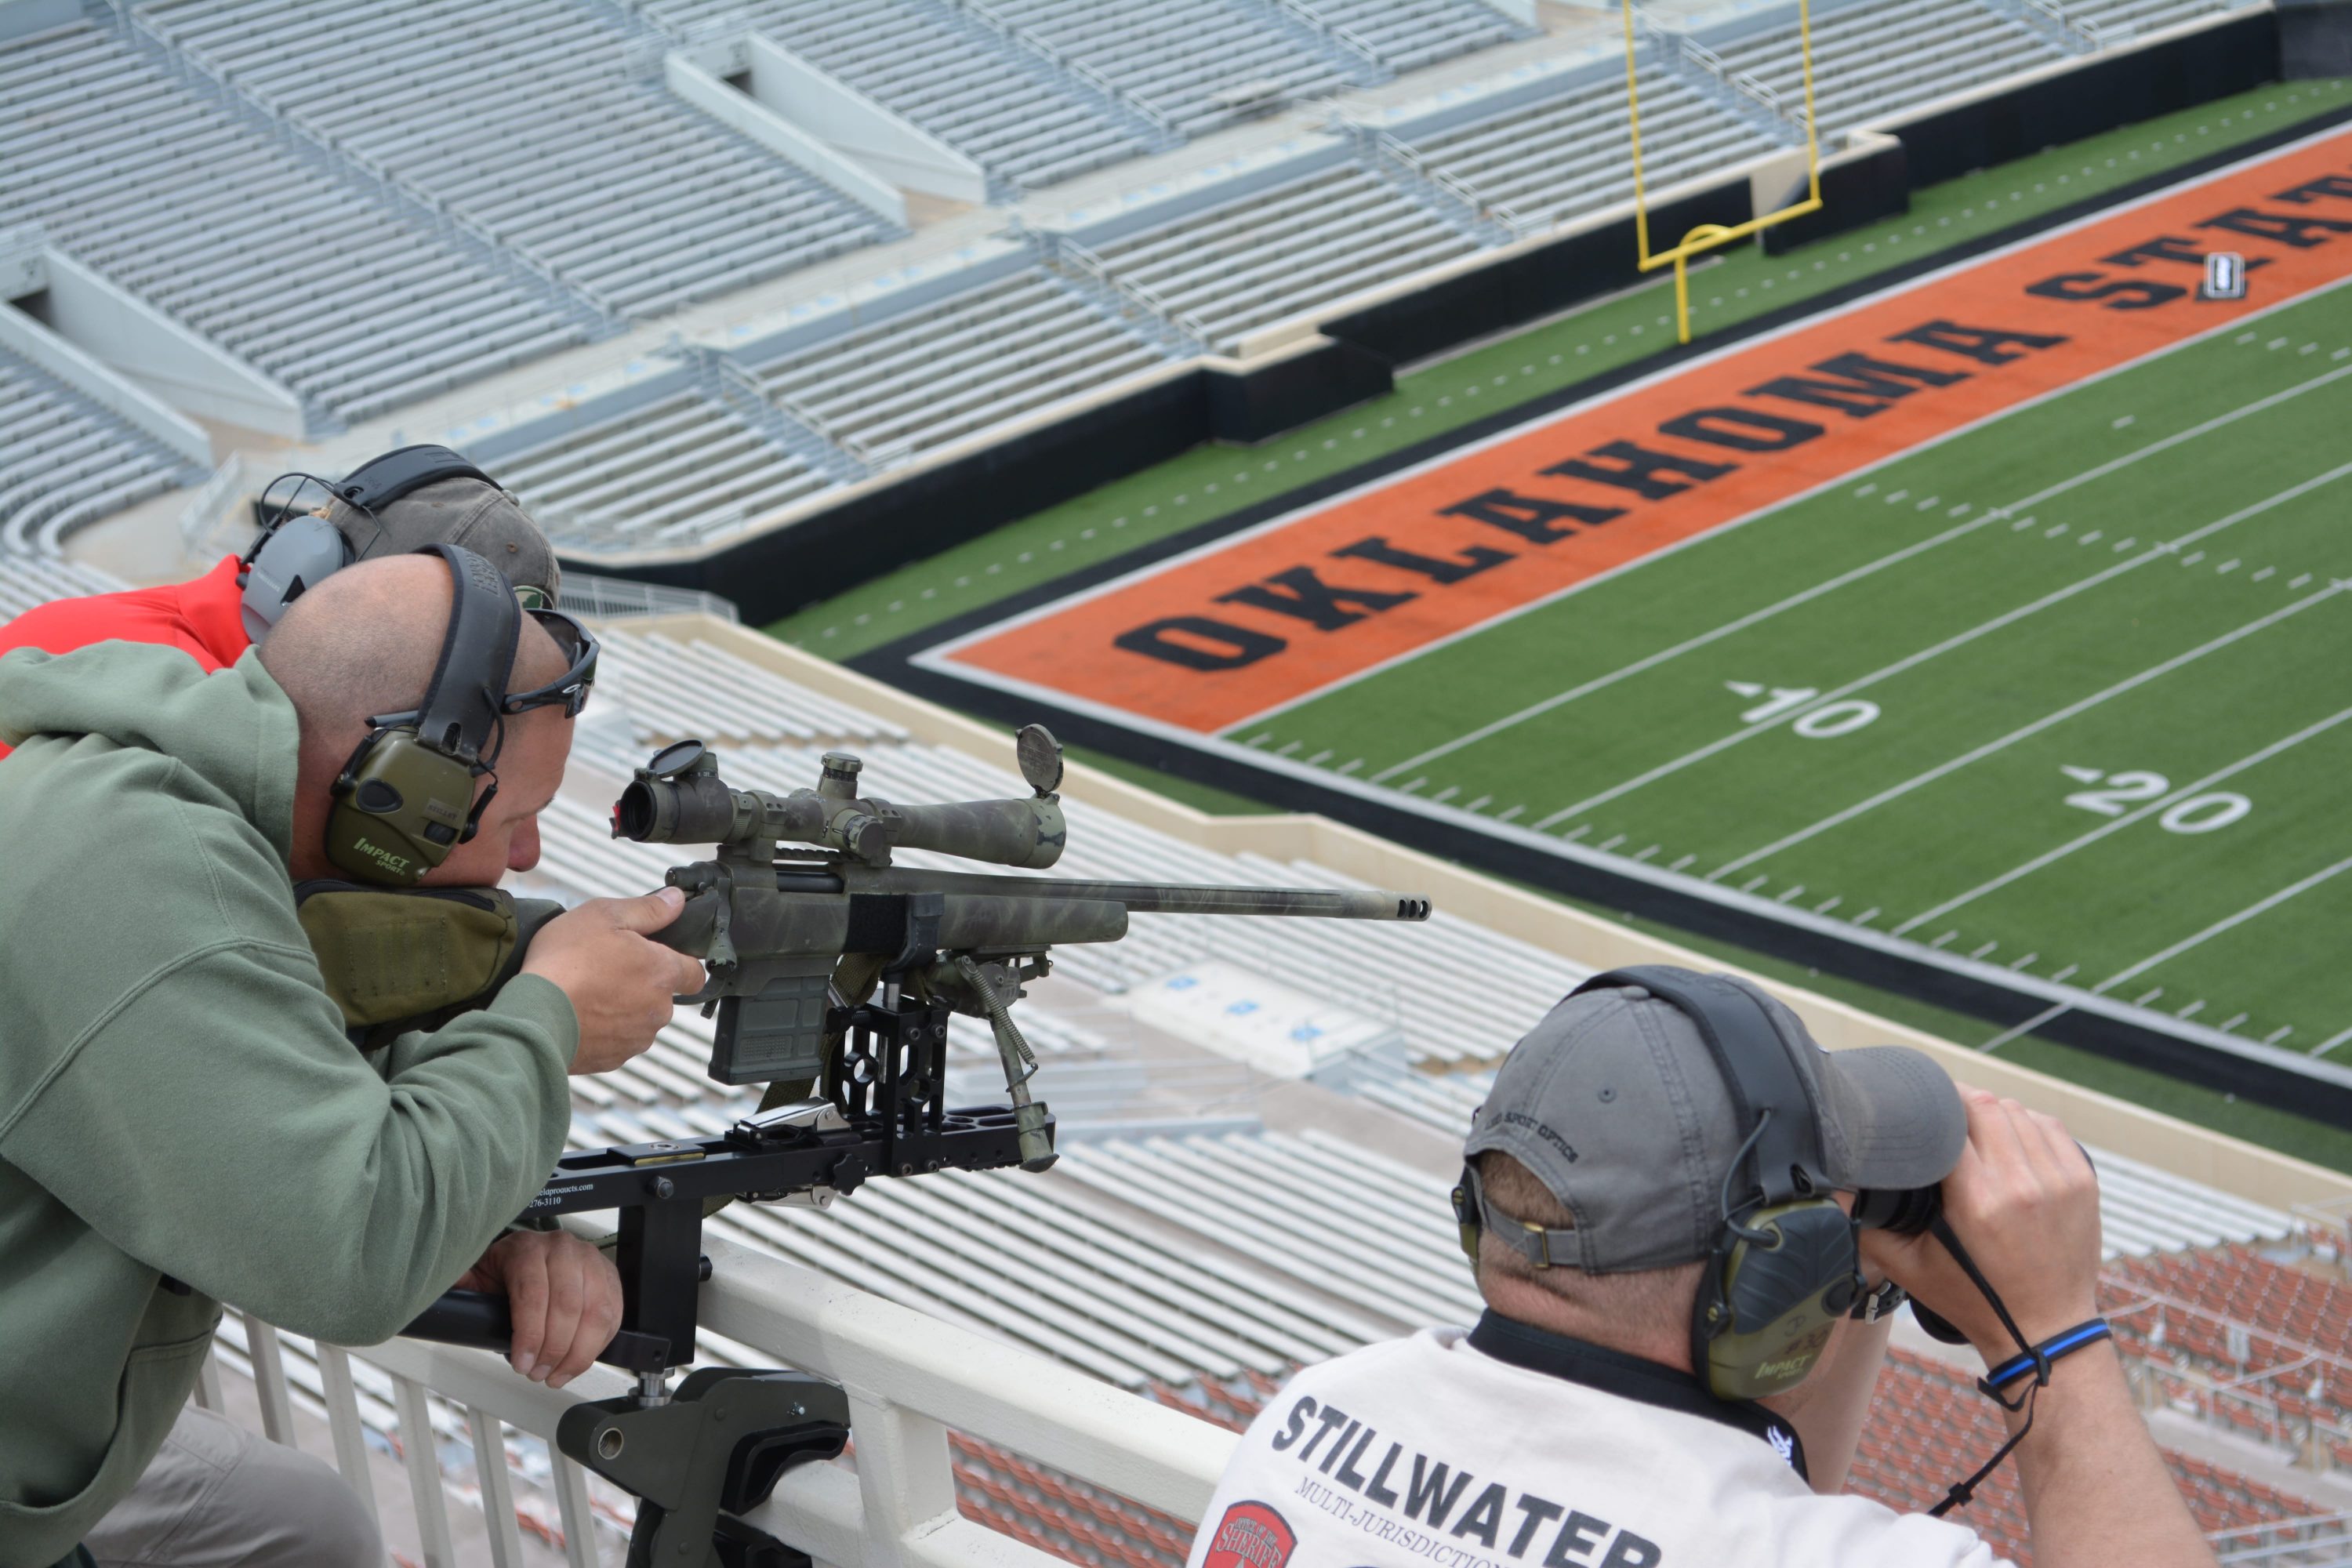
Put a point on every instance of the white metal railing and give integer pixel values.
(2324, 1540)
(911, 1379)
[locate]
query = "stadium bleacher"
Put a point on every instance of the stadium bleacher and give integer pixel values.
(1284, 249)
(1189, 65)
(525, 121)
(684, 466)
(66, 462)
(1874, 60)
(1564, 154)
(1400, 36)
(295, 265)
(2120, 21)
(935, 374)
(1012, 109)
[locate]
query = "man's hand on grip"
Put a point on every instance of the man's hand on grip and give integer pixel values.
(2024, 1201)
(563, 1295)
(620, 982)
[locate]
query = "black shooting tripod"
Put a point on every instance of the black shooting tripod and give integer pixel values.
(713, 1449)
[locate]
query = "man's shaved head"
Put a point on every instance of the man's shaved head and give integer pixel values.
(365, 640)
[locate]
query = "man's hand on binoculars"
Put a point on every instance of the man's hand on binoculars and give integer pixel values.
(563, 1295)
(620, 982)
(2025, 1203)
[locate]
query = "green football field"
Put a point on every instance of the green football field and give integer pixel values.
(2066, 693)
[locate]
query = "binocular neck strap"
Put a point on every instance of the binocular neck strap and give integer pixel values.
(1962, 1491)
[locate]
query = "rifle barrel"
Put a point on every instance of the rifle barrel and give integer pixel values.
(1163, 897)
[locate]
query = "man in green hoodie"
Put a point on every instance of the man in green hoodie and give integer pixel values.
(183, 1121)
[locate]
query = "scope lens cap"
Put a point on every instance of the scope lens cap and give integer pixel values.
(675, 759)
(1041, 758)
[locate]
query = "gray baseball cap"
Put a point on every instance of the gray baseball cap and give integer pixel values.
(1615, 1102)
(470, 513)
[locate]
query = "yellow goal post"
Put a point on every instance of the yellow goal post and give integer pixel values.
(1708, 237)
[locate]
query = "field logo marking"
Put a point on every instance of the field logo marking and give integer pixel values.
(1868, 568)
(1277, 613)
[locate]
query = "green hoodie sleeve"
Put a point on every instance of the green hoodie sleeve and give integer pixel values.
(176, 1076)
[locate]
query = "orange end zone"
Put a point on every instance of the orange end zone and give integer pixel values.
(1282, 611)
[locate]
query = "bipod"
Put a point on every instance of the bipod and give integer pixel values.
(697, 1458)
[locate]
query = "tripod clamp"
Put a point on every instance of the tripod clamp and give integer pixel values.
(713, 1450)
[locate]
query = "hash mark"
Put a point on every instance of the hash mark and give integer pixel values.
(1610, 842)
(1792, 892)
(1575, 834)
(1754, 883)
(1943, 939)
(1350, 765)
(2192, 557)
(1319, 758)
(1507, 815)
(2065, 972)
(1416, 784)
(1448, 792)
(2281, 1032)
(1985, 948)
(1287, 749)
(1867, 916)
(1481, 801)
(2233, 1022)
(1683, 862)
(2192, 1009)
(2126, 543)
(2016, 965)
(2145, 999)
(1826, 905)
(1645, 854)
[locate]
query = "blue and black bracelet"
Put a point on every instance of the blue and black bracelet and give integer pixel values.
(2035, 1362)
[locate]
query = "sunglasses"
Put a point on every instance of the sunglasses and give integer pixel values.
(568, 690)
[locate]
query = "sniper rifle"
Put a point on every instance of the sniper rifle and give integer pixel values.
(831, 975)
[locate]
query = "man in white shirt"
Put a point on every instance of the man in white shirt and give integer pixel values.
(1658, 1196)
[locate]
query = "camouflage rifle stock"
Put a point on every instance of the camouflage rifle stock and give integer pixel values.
(795, 939)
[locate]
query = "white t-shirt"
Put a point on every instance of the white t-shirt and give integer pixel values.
(1427, 1453)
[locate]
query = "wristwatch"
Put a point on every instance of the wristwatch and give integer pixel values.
(1878, 1301)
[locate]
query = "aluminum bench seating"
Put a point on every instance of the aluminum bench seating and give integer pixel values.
(945, 371)
(1175, 56)
(1573, 153)
(1874, 60)
(269, 252)
(685, 464)
(528, 122)
(1406, 34)
(66, 462)
(1285, 250)
(988, 98)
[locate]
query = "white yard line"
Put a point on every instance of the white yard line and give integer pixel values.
(2050, 857)
(2112, 465)
(1911, 661)
(2261, 906)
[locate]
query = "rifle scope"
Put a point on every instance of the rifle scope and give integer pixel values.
(679, 798)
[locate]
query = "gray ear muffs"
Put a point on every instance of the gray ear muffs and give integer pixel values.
(289, 561)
